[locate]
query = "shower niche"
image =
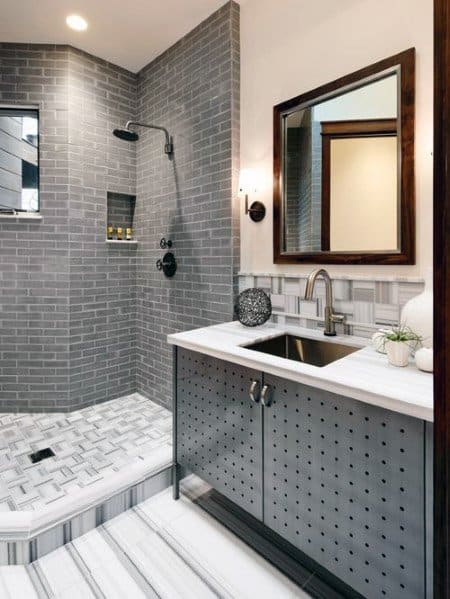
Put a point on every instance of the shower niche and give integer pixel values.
(120, 219)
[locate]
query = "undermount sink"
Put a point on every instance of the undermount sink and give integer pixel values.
(301, 349)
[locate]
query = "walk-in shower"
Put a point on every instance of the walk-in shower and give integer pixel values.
(128, 134)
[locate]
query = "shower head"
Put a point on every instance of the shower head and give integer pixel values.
(128, 135)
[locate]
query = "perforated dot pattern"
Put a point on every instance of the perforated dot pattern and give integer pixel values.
(220, 428)
(344, 482)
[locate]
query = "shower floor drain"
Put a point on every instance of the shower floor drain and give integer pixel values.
(40, 455)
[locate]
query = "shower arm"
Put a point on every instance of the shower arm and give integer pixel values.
(168, 148)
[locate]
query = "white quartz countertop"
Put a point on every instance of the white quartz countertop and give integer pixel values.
(364, 375)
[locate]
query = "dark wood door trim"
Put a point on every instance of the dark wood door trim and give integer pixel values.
(442, 299)
(359, 128)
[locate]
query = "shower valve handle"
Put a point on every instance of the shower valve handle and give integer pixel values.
(165, 243)
(160, 264)
(168, 264)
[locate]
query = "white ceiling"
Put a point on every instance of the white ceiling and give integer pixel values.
(129, 33)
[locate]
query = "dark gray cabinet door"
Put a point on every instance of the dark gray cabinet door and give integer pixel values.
(219, 428)
(344, 482)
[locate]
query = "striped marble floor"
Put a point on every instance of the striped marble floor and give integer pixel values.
(160, 548)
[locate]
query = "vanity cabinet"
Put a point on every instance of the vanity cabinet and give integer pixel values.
(219, 429)
(345, 482)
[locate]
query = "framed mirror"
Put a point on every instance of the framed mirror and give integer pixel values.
(19, 160)
(344, 169)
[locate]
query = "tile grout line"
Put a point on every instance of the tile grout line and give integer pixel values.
(133, 570)
(206, 577)
(39, 581)
(84, 570)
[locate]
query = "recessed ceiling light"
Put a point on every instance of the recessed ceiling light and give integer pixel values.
(76, 22)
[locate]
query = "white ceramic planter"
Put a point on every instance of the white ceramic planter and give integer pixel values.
(398, 352)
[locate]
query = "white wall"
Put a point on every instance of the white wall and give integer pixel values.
(375, 101)
(291, 46)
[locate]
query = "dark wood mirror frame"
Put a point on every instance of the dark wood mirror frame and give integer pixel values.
(406, 254)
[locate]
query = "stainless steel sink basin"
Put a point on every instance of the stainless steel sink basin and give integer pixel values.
(310, 351)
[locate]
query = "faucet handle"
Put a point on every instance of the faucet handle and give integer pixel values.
(330, 320)
(338, 317)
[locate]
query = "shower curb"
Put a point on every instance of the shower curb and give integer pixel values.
(28, 535)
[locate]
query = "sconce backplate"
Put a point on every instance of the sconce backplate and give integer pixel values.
(257, 212)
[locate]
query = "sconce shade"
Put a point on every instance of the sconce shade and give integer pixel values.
(247, 186)
(247, 181)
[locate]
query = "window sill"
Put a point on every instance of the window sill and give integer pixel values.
(21, 216)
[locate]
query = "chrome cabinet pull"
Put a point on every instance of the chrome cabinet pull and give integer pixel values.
(254, 391)
(266, 396)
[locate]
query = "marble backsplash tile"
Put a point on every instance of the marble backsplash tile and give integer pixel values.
(367, 304)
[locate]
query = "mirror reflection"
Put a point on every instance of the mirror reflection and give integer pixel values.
(341, 183)
(19, 155)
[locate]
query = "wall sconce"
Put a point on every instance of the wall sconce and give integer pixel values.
(247, 185)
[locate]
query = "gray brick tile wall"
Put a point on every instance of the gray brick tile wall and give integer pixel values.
(67, 313)
(193, 90)
(34, 256)
(102, 277)
(82, 321)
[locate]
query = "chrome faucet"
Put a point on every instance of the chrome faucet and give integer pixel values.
(330, 317)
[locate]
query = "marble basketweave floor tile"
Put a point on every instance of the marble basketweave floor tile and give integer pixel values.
(160, 548)
(90, 446)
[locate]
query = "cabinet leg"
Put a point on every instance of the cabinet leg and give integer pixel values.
(176, 481)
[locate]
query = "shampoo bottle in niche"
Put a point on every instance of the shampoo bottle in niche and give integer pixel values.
(417, 314)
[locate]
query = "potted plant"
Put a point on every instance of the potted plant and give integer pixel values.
(399, 343)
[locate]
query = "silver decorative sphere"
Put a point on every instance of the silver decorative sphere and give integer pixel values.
(253, 307)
